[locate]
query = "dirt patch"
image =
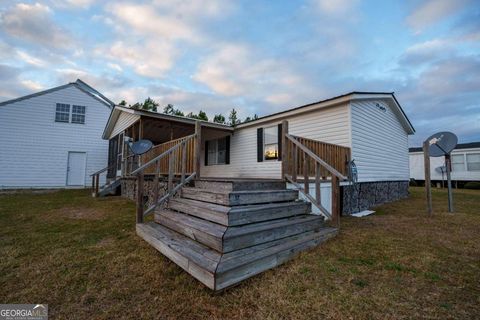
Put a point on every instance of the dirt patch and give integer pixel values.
(80, 213)
(105, 242)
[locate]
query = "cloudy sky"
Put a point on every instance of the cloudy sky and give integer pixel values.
(257, 56)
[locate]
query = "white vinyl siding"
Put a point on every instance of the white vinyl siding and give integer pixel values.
(328, 124)
(124, 121)
(38, 146)
(379, 142)
(462, 174)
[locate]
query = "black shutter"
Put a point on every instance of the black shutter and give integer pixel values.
(227, 150)
(259, 144)
(280, 142)
(206, 153)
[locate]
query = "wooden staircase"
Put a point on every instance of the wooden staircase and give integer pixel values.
(225, 231)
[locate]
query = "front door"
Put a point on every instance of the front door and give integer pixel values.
(76, 168)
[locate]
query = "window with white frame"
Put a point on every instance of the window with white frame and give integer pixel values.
(62, 112)
(473, 162)
(78, 114)
(270, 143)
(458, 162)
(217, 151)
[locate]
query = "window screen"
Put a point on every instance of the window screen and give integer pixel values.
(62, 113)
(78, 114)
(217, 151)
(270, 138)
(473, 162)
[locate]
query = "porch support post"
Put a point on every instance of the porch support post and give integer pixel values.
(140, 209)
(198, 147)
(335, 201)
(284, 148)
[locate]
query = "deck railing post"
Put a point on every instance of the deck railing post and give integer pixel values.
(140, 197)
(306, 174)
(93, 186)
(318, 191)
(294, 162)
(184, 161)
(198, 147)
(156, 181)
(171, 160)
(284, 148)
(97, 183)
(335, 200)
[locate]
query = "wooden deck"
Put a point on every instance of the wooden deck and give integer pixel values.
(224, 231)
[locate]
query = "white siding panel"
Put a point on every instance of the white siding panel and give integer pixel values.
(379, 143)
(124, 121)
(329, 125)
(35, 148)
(417, 169)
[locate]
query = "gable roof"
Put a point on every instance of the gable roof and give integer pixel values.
(469, 145)
(79, 84)
(354, 95)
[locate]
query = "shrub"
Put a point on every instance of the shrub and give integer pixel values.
(472, 185)
(413, 183)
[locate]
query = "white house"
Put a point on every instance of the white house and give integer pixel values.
(465, 164)
(53, 138)
(371, 124)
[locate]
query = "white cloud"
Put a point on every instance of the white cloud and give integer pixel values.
(335, 7)
(432, 11)
(33, 23)
(25, 57)
(151, 59)
(32, 85)
(81, 3)
(234, 70)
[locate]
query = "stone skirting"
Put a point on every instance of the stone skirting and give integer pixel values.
(366, 195)
(129, 188)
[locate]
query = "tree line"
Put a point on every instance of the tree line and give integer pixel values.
(151, 105)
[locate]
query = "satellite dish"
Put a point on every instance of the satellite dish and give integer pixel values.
(441, 143)
(141, 146)
(441, 169)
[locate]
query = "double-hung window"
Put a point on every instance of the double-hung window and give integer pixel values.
(62, 113)
(270, 143)
(458, 162)
(473, 162)
(217, 151)
(78, 114)
(70, 114)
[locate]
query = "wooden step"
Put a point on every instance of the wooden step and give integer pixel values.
(226, 239)
(227, 185)
(219, 271)
(239, 265)
(239, 215)
(203, 231)
(236, 198)
(198, 260)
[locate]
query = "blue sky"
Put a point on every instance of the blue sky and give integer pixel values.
(257, 56)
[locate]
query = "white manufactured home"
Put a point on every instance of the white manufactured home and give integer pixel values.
(52, 139)
(371, 126)
(465, 164)
(230, 202)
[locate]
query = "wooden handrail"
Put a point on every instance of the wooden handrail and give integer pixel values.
(177, 158)
(330, 169)
(101, 170)
(163, 154)
(299, 159)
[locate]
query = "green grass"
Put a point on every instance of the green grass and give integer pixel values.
(82, 257)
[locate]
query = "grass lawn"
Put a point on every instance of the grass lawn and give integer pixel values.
(82, 257)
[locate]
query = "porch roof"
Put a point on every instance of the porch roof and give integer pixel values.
(178, 119)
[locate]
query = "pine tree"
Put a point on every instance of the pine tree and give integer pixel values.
(233, 120)
(219, 118)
